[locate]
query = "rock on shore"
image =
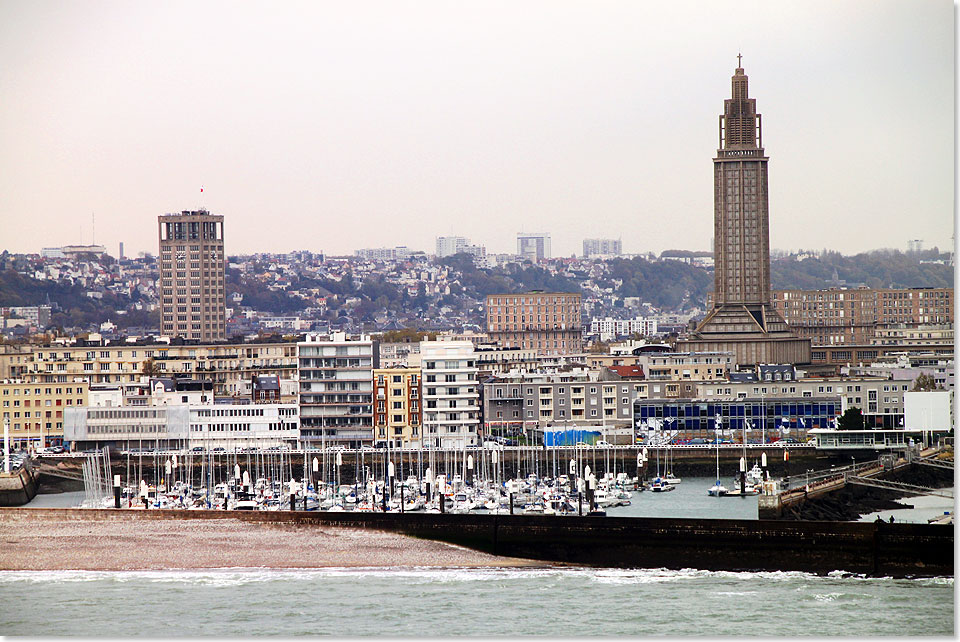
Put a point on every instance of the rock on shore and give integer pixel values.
(51, 542)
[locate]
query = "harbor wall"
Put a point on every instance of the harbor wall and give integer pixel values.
(18, 488)
(877, 549)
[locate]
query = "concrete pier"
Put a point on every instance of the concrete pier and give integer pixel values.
(899, 550)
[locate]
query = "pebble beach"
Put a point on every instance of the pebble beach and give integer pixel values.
(53, 542)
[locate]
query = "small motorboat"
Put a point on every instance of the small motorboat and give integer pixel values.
(717, 490)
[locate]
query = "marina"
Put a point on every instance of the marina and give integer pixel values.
(551, 481)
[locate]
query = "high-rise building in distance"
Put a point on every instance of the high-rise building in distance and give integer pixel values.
(601, 247)
(533, 245)
(191, 275)
(450, 245)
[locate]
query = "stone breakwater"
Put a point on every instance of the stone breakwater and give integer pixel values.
(62, 539)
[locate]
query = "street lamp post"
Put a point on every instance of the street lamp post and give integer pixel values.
(6, 445)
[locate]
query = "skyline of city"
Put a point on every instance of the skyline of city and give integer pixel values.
(511, 129)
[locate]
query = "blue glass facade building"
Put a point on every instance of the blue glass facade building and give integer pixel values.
(771, 413)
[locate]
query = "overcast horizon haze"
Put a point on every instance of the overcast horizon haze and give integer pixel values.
(328, 127)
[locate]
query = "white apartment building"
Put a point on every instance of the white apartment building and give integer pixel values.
(601, 247)
(451, 395)
(534, 246)
(336, 387)
(450, 245)
(612, 328)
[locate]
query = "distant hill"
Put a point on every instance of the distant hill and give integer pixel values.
(876, 269)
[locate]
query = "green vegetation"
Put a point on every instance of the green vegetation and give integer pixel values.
(876, 269)
(851, 419)
(407, 335)
(925, 383)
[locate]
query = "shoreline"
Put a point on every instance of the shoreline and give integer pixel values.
(54, 543)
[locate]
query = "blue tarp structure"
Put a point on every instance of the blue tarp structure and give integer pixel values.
(567, 437)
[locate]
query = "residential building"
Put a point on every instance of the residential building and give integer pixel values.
(880, 399)
(859, 316)
(35, 315)
(743, 319)
(451, 397)
(601, 247)
(400, 354)
(102, 361)
(520, 401)
(336, 388)
(533, 246)
(687, 366)
(36, 410)
(385, 253)
(548, 322)
(609, 328)
(191, 275)
(397, 397)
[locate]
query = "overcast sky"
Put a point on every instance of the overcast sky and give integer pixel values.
(333, 126)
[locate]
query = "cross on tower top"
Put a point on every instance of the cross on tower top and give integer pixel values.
(739, 56)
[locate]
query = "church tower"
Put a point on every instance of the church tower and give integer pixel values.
(742, 319)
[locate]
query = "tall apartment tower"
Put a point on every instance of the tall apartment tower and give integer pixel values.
(742, 319)
(191, 275)
(451, 394)
(533, 245)
(601, 247)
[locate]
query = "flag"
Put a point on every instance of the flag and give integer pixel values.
(201, 189)
(803, 424)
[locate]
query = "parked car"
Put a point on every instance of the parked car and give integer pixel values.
(602, 443)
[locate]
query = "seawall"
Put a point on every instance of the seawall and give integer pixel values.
(18, 488)
(877, 549)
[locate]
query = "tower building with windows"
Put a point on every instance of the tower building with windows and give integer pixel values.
(742, 319)
(192, 276)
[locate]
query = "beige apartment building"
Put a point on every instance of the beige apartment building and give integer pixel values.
(548, 322)
(229, 365)
(398, 413)
(35, 410)
(854, 316)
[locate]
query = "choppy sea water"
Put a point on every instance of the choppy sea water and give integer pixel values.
(449, 602)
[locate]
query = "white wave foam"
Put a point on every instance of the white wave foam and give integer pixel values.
(428, 575)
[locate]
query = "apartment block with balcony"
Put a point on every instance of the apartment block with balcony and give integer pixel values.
(336, 388)
(519, 401)
(229, 365)
(451, 397)
(398, 410)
